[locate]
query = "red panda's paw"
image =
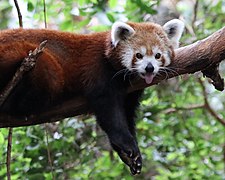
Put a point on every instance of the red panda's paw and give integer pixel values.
(136, 165)
(134, 162)
(127, 148)
(135, 168)
(133, 159)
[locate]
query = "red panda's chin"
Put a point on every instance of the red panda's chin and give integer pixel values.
(149, 77)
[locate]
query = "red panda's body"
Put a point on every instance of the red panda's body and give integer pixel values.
(97, 66)
(70, 64)
(62, 68)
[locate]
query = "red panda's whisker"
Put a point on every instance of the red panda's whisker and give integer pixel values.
(119, 72)
(169, 70)
(163, 71)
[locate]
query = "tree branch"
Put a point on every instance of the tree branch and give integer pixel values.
(205, 106)
(3, 98)
(218, 117)
(8, 157)
(198, 56)
(19, 13)
(186, 108)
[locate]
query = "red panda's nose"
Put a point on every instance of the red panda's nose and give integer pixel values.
(149, 68)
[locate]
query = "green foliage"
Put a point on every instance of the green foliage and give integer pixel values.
(139, 8)
(5, 8)
(186, 144)
(176, 141)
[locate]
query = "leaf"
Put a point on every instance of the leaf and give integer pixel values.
(110, 17)
(30, 6)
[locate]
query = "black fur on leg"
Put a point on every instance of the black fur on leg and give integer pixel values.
(108, 104)
(131, 105)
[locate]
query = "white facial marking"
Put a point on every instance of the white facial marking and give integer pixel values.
(155, 50)
(167, 58)
(143, 50)
(165, 54)
(127, 56)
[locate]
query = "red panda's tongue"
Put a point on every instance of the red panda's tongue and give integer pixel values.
(148, 78)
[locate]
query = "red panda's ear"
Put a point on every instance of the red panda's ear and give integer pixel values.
(174, 30)
(120, 31)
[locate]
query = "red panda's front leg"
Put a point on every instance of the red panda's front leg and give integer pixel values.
(108, 106)
(132, 103)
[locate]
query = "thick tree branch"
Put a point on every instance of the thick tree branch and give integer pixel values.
(199, 56)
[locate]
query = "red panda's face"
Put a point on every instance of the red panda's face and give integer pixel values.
(146, 48)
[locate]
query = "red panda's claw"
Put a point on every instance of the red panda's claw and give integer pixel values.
(136, 165)
(134, 162)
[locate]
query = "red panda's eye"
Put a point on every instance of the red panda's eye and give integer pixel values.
(139, 56)
(158, 55)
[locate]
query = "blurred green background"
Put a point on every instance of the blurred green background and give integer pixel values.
(178, 136)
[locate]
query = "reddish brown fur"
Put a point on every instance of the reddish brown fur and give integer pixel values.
(65, 63)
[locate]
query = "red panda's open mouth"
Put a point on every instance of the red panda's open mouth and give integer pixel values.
(148, 77)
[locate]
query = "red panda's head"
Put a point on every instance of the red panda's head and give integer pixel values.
(145, 47)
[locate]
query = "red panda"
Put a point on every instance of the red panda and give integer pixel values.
(97, 66)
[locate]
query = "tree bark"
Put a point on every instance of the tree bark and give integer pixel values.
(204, 55)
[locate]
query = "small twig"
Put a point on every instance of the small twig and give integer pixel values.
(49, 152)
(46, 131)
(8, 158)
(45, 14)
(207, 105)
(27, 64)
(187, 108)
(19, 13)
